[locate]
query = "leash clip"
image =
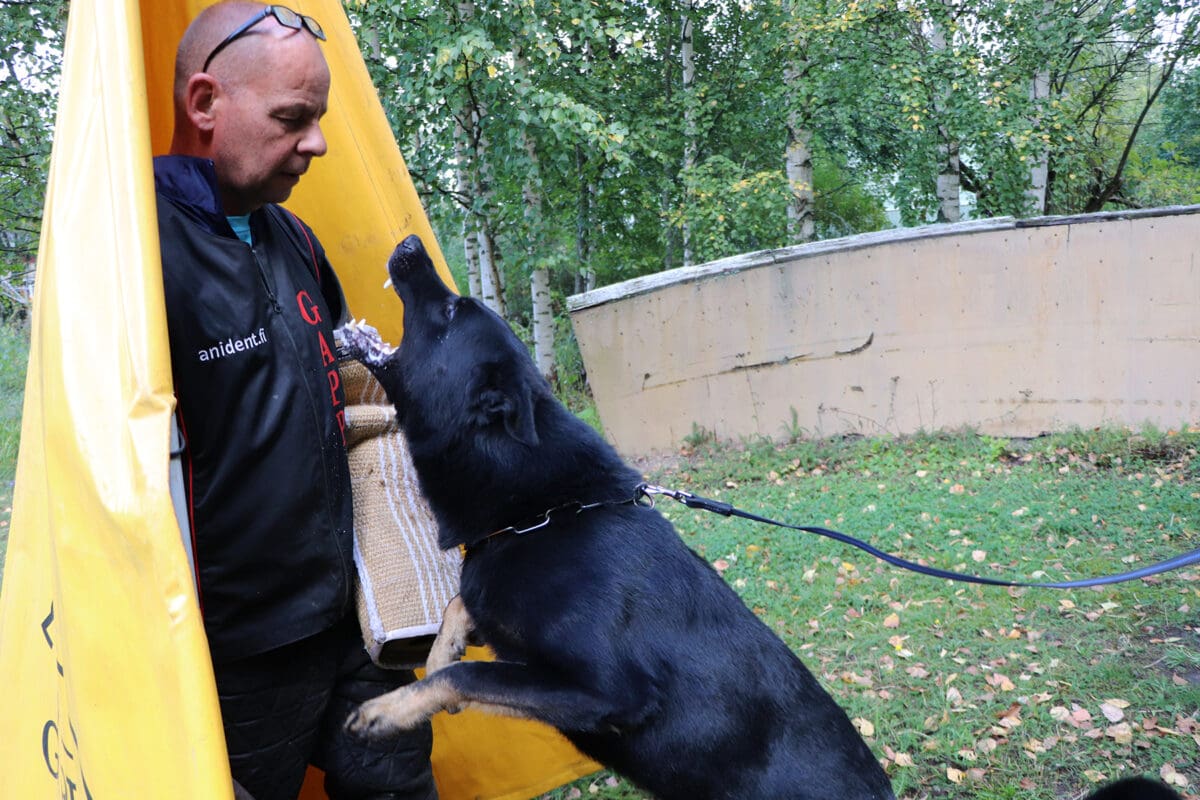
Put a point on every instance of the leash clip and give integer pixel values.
(646, 493)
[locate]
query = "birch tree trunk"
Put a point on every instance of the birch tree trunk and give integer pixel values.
(491, 287)
(539, 275)
(797, 154)
(801, 226)
(543, 321)
(471, 253)
(470, 234)
(669, 176)
(1039, 94)
(1039, 171)
(475, 183)
(585, 276)
(949, 179)
(687, 58)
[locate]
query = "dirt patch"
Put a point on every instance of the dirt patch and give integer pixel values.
(1178, 653)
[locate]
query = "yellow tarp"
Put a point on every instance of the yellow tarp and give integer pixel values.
(103, 660)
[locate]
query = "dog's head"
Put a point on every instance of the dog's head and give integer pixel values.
(460, 363)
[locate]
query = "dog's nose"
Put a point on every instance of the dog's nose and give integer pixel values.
(408, 255)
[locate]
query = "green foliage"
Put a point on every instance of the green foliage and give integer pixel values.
(1180, 137)
(1101, 62)
(1164, 168)
(557, 128)
(844, 205)
(31, 35)
(731, 211)
(699, 437)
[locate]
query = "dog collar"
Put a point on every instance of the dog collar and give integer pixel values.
(643, 495)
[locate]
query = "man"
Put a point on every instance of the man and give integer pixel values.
(251, 303)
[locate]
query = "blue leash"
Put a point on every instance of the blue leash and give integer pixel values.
(650, 491)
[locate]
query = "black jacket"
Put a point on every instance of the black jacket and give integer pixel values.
(262, 412)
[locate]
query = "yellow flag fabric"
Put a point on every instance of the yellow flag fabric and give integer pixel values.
(102, 651)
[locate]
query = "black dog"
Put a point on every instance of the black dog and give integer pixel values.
(605, 625)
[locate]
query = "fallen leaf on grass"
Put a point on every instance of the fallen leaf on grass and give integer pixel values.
(891, 620)
(1170, 776)
(1112, 712)
(1010, 717)
(864, 727)
(1001, 682)
(1077, 718)
(1121, 733)
(855, 679)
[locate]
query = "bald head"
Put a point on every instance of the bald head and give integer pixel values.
(256, 110)
(207, 31)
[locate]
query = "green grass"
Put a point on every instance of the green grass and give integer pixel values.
(966, 691)
(14, 351)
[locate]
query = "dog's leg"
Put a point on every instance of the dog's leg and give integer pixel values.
(506, 688)
(404, 708)
(451, 641)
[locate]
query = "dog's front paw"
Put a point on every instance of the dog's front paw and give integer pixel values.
(385, 714)
(406, 708)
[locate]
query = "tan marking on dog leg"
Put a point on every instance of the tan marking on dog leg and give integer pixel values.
(451, 641)
(403, 709)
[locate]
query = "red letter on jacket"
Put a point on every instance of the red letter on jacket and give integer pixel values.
(308, 309)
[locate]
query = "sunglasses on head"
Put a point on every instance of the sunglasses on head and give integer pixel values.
(283, 15)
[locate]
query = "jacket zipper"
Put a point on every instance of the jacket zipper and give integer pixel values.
(313, 406)
(262, 275)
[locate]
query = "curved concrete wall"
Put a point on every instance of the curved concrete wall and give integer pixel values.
(1011, 327)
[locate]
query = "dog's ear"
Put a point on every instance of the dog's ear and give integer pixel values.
(500, 395)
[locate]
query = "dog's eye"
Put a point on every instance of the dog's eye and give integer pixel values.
(451, 307)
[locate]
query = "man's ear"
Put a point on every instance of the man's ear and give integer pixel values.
(500, 395)
(199, 98)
